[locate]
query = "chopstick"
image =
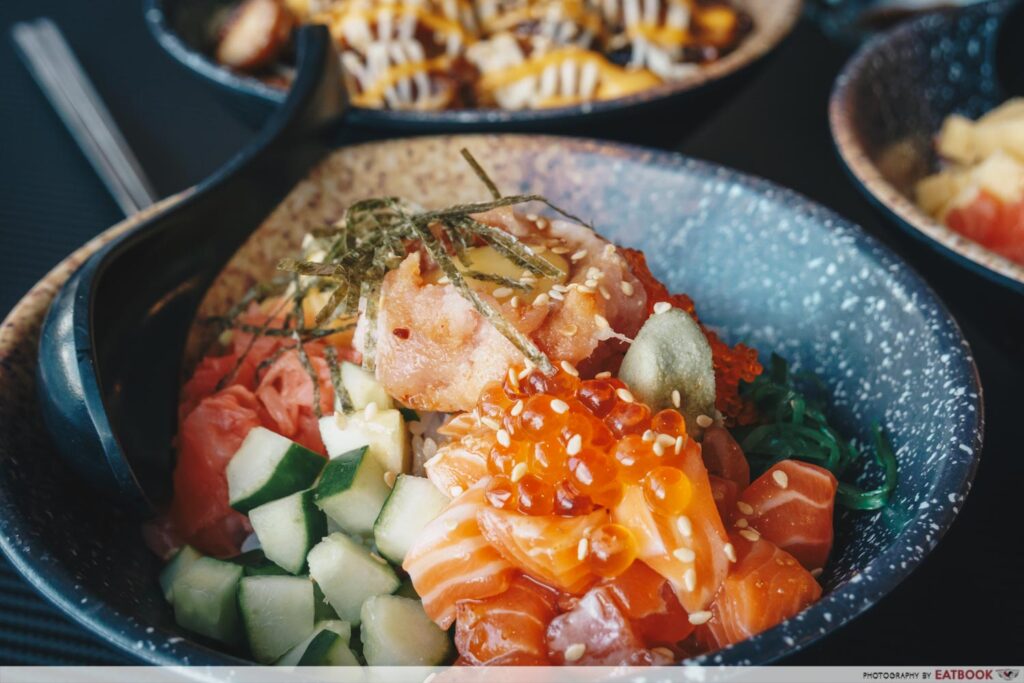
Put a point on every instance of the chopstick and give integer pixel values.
(54, 67)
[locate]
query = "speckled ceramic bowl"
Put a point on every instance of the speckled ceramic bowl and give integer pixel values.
(890, 101)
(182, 27)
(765, 266)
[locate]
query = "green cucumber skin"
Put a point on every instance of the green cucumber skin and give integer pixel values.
(258, 643)
(339, 473)
(297, 470)
(322, 610)
(182, 560)
(255, 563)
(195, 609)
(328, 649)
(314, 529)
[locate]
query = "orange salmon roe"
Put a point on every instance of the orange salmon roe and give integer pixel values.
(732, 364)
(565, 446)
(612, 548)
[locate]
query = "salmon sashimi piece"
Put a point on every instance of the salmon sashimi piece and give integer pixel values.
(286, 392)
(597, 632)
(726, 493)
(462, 461)
(509, 628)
(766, 587)
(723, 457)
(207, 440)
(452, 561)
(687, 549)
(791, 505)
(650, 603)
(442, 361)
(543, 547)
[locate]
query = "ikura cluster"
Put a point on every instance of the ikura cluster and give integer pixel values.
(566, 446)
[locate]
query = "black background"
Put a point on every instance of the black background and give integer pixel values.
(964, 605)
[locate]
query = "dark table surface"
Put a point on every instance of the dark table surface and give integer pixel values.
(964, 605)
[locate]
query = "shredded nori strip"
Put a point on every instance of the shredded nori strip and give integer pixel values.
(307, 364)
(481, 173)
(795, 426)
(307, 334)
(496, 279)
(342, 400)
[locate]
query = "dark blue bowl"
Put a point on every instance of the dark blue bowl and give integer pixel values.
(764, 265)
(890, 101)
(182, 27)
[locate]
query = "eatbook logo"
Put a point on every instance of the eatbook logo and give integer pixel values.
(1008, 674)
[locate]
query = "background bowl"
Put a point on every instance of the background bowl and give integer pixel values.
(763, 264)
(890, 101)
(182, 27)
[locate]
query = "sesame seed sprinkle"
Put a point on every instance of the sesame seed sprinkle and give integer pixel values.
(603, 375)
(503, 438)
(666, 440)
(730, 552)
(750, 535)
(559, 406)
(698, 618)
(559, 250)
(556, 295)
(502, 292)
(684, 554)
(781, 478)
(745, 508)
(601, 321)
(704, 421)
(514, 302)
(569, 368)
(582, 548)
(541, 300)
(685, 525)
(741, 523)
(662, 307)
(648, 436)
(624, 395)
(679, 444)
(575, 445)
(627, 288)
(579, 255)
(518, 472)
(517, 408)
(816, 572)
(490, 422)
(658, 449)
(677, 400)
(605, 294)
(575, 652)
(690, 579)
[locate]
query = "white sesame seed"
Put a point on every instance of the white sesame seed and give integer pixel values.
(541, 300)
(690, 579)
(698, 618)
(542, 223)
(575, 445)
(488, 421)
(532, 217)
(745, 508)
(609, 250)
(591, 283)
(575, 652)
(525, 372)
(816, 572)
(627, 288)
(685, 525)
(456, 491)
(556, 295)
(601, 321)
(679, 444)
(518, 472)
(741, 523)
(750, 535)
(371, 410)
(559, 406)
(513, 378)
(666, 440)
(581, 254)
(662, 307)
(605, 294)
(594, 273)
(502, 292)
(560, 288)
(624, 395)
(677, 400)
(583, 290)
(684, 554)
(517, 408)
(658, 449)
(569, 368)
(704, 421)
(503, 438)
(514, 302)
(444, 280)
(582, 549)
(781, 478)
(559, 250)
(648, 436)
(389, 479)
(664, 652)
(603, 375)
(730, 552)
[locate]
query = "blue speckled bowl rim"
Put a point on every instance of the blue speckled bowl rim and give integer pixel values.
(843, 604)
(900, 209)
(470, 119)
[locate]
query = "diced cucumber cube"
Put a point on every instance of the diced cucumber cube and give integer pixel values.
(348, 574)
(268, 466)
(277, 612)
(338, 628)
(383, 431)
(322, 610)
(328, 649)
(363, 388)
(181, 561)
(206, 599)
(352, 491)
(255, 563)
(397, 632)
(414, 502)
(288, 528)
